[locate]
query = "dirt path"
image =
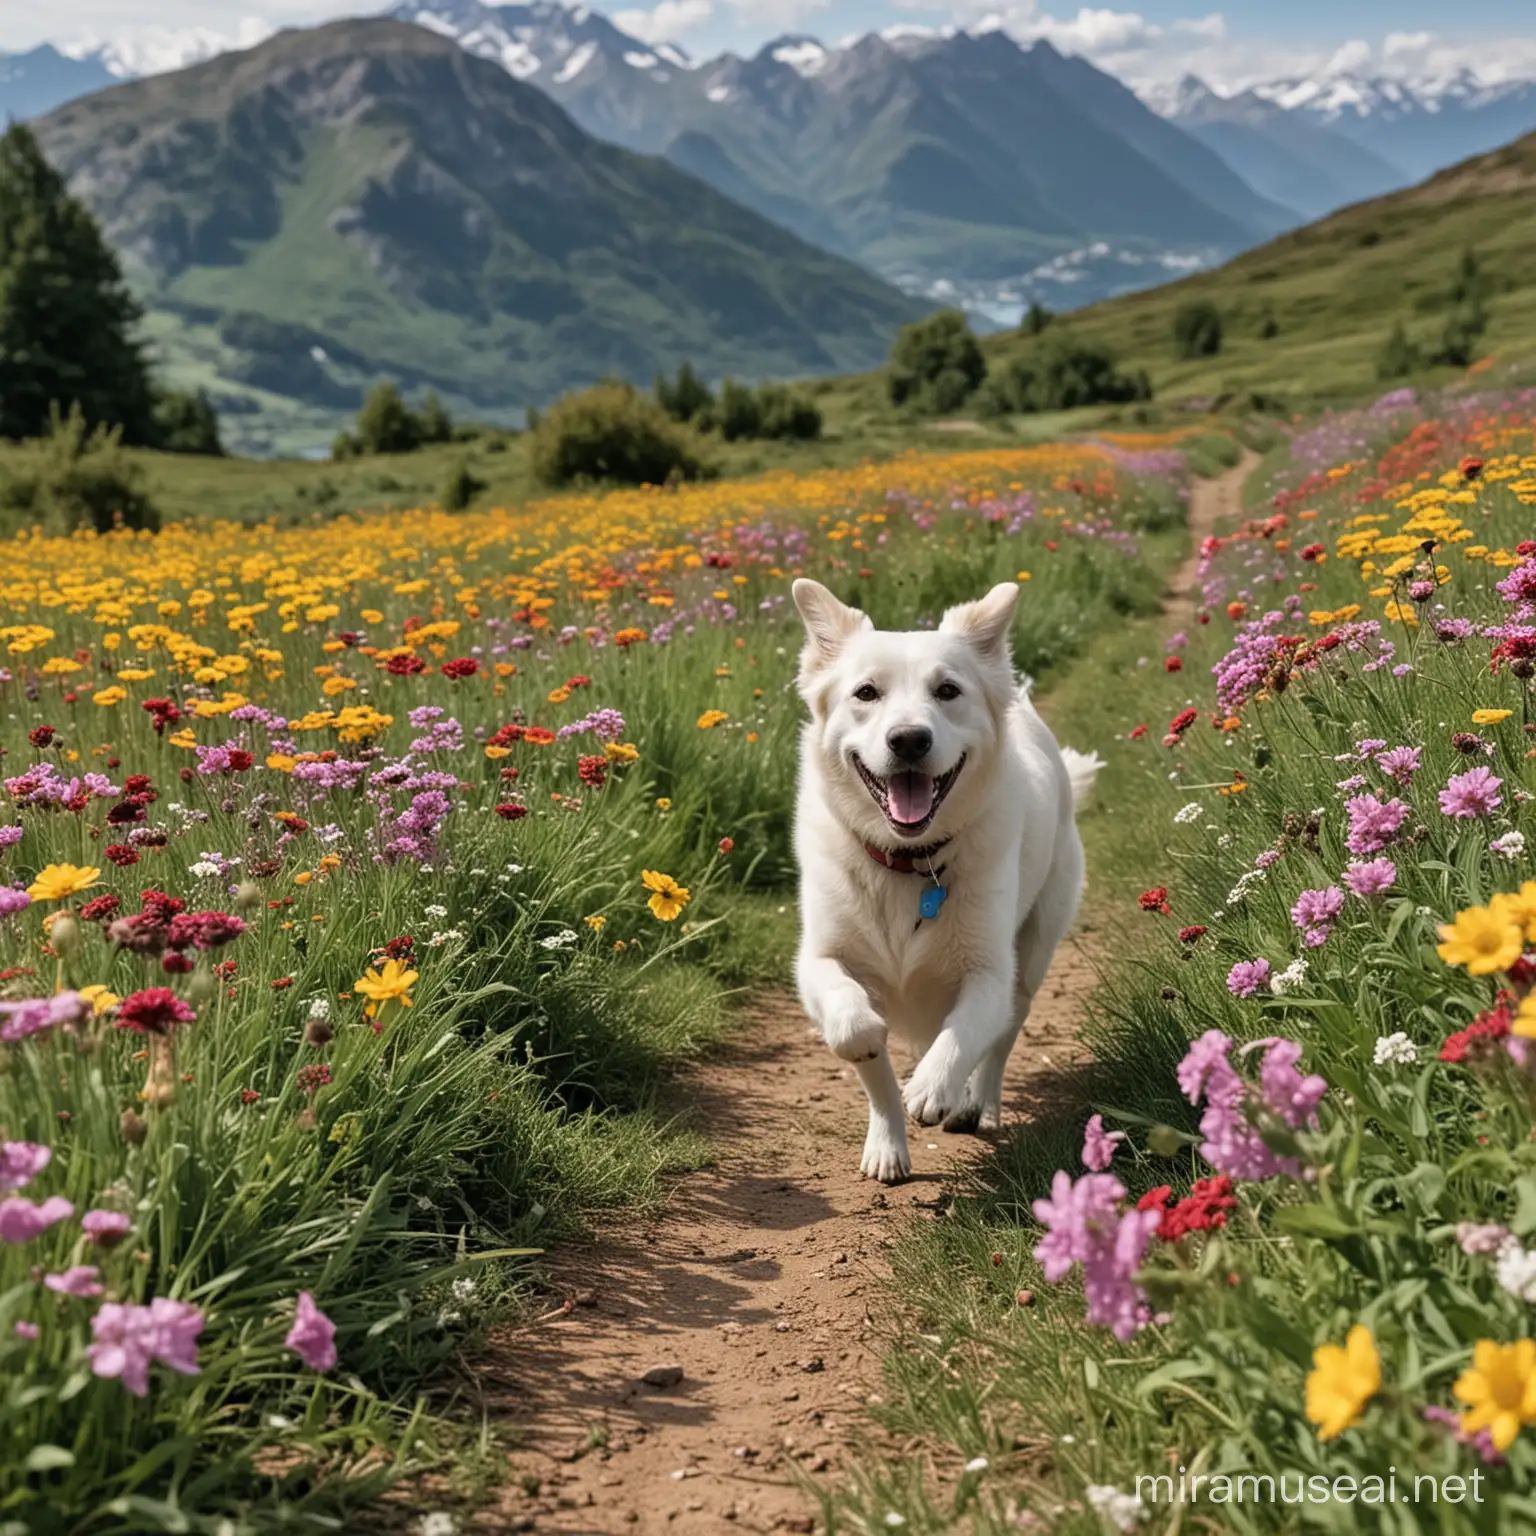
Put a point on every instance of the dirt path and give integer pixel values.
(1211, 503)
(712, 1353)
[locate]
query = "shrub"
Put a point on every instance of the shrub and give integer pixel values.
(386, 424)
(683, 398)
(461, 489)
(787, 413)
(436, 425)
(612, 432)
(1035, 320)
(77, 477)
(738, 413)
(936, 364)
(1197, 329)
(1398, 356)
(187, 423)
(1062, 373)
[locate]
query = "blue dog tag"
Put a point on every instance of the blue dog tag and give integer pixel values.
(931, 900)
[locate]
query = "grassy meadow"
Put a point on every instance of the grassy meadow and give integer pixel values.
(360, 880)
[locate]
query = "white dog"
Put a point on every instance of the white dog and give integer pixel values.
(940, 864)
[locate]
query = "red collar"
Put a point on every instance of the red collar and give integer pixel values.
(906, 861)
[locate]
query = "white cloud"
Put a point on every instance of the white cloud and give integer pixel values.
(1350, 58)
(668, 20)
(1213, 26)
(1398, 45)
(1095, 32)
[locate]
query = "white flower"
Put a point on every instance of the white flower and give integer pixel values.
(1225, 840)
(562, 940)
(319, 1007)
(463, 1288)
(447, 936)
(1190, 814)
(1245, 882)
(476, 874)
(1290, 979)
(1124, 1511)
(1510, 845)
(977, 1464)
(438, 1524)
(1395, 1050)
(435, 910)
(1515, 1269)
(204, 870)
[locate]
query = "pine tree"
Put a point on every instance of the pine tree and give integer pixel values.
(66, 315)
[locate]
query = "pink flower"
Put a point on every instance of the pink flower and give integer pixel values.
(25, 1330)
(105, 1228)
(1314, 913)
(1481, 1239)
(1085, 1225)
(21, 1162)
(1286, 1093)
(130, 1338)
(1099, 1145)
(313, 1335)
(1232, 1143)
(1247, 977)
(1472, 794)
(1401, 763)
(1372, 879)
(21, 1220)
(77, 1280)
(1373, 823)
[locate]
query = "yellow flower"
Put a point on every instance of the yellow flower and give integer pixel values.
(1518, 907)
(558, 695)
(58, 882)
(390, 984)
(1490, 716)
(1525, 1021)
(109, 696)
(1499, 1390)
(1342, 1381)
(495, 752)
(1484, 939)
(663, 803)
(668, 898)
(281, 762)
(711, 718)
(101, 1000)
(303, 877)
(621, 752)
(595, 922)
(1022, 576)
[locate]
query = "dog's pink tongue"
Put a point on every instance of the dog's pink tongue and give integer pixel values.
(911, 797)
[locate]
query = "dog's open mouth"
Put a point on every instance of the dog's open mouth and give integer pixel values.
(910, 800)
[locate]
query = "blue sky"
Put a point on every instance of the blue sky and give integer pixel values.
(1146, 42)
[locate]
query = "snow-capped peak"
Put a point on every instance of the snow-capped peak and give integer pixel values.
(805, 55)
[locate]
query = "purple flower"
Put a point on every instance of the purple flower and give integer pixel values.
(1520, 585)
(105, 1228)
(1371, 879)
(25, 1330)
(1368, 748)
(1401, 763)
(1099, 1145)
(22, 1220)
(1286, 1093)
(1232, 1144)
(9, 836)
(1373, 823)
(1247, 977)
(1482, 1442)
(21, 1162)
(13, 900)
(1449, 631)
(77, 1280)
(1085, 1225)
(1314, 914)
(313, 1335)
(605, 724)
(1472, 794)
(129, 1338)
(1268, 857)
(34, 1015)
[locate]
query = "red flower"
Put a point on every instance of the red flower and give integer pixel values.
(174, 963)
(121, 854)
(509, 810)
(282, 983)
(99, 908)
(537, 735)
(1493, 1024)
(578, 681)
(405, 666)
(1182, 721)
(592, 771)
(1172, 664)
(1155, 900)
(1313, 553)
(1203, 1209)
(163, 712)
(1236, 611)
(240, 760)
(249, 1096)
(312, 1079)
(400, 949)
(1191, 935)
(1470, 468)
(1155, 1199)
(463, 666)
(506, 736)
(726, 844)
(154, 1011)
(204, 930)
(166, 906)
(41, 736)
(1138, 732)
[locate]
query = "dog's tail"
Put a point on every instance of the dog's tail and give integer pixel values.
(1082, 770)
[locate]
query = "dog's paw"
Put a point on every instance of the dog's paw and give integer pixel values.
(965, 1121)
(856, 1036)
(885, 1157)
(931, 1095)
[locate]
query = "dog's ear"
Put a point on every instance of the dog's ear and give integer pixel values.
(987, 621)
(828, 622)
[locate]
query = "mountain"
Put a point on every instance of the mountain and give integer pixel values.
(927, 156)
(368, 198)
(41, 79)
(1306, 314)
(1290, 156)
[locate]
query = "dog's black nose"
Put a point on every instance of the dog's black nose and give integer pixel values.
(910, 743)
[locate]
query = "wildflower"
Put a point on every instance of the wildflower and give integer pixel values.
(1508, 845)
(21, 1162)
(22, 1220)
(1189, 814)
(1192, 934)
(77, 1280)
(1203, 1209)
(1124, 1511)
(1373, 823)
(1481, 1239)
(106, 1229)
(596, 922)
(1155, 900)
(1490, 716)
(153, 1011)
(1370, 879)
(313, 1335)
(509, 810)
(1395, 1050)
(1489, 1027)
(1084, 1225)
(1099, 1145)
(58, 882)
(1471, 794)
(1483, 939)
(463, 666)
(1515, 1270)
(1342, 1381)
(1519, 906)
(1499, 1390)
(668, 898)
(711, 718)
(391, 983)
(592, 771)
(128, 1339)
(13, 900)
(1247, 977)
(1314, 913)
(1232, 1143)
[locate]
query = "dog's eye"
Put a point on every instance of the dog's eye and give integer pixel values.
(947, 691)
(866, 693)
